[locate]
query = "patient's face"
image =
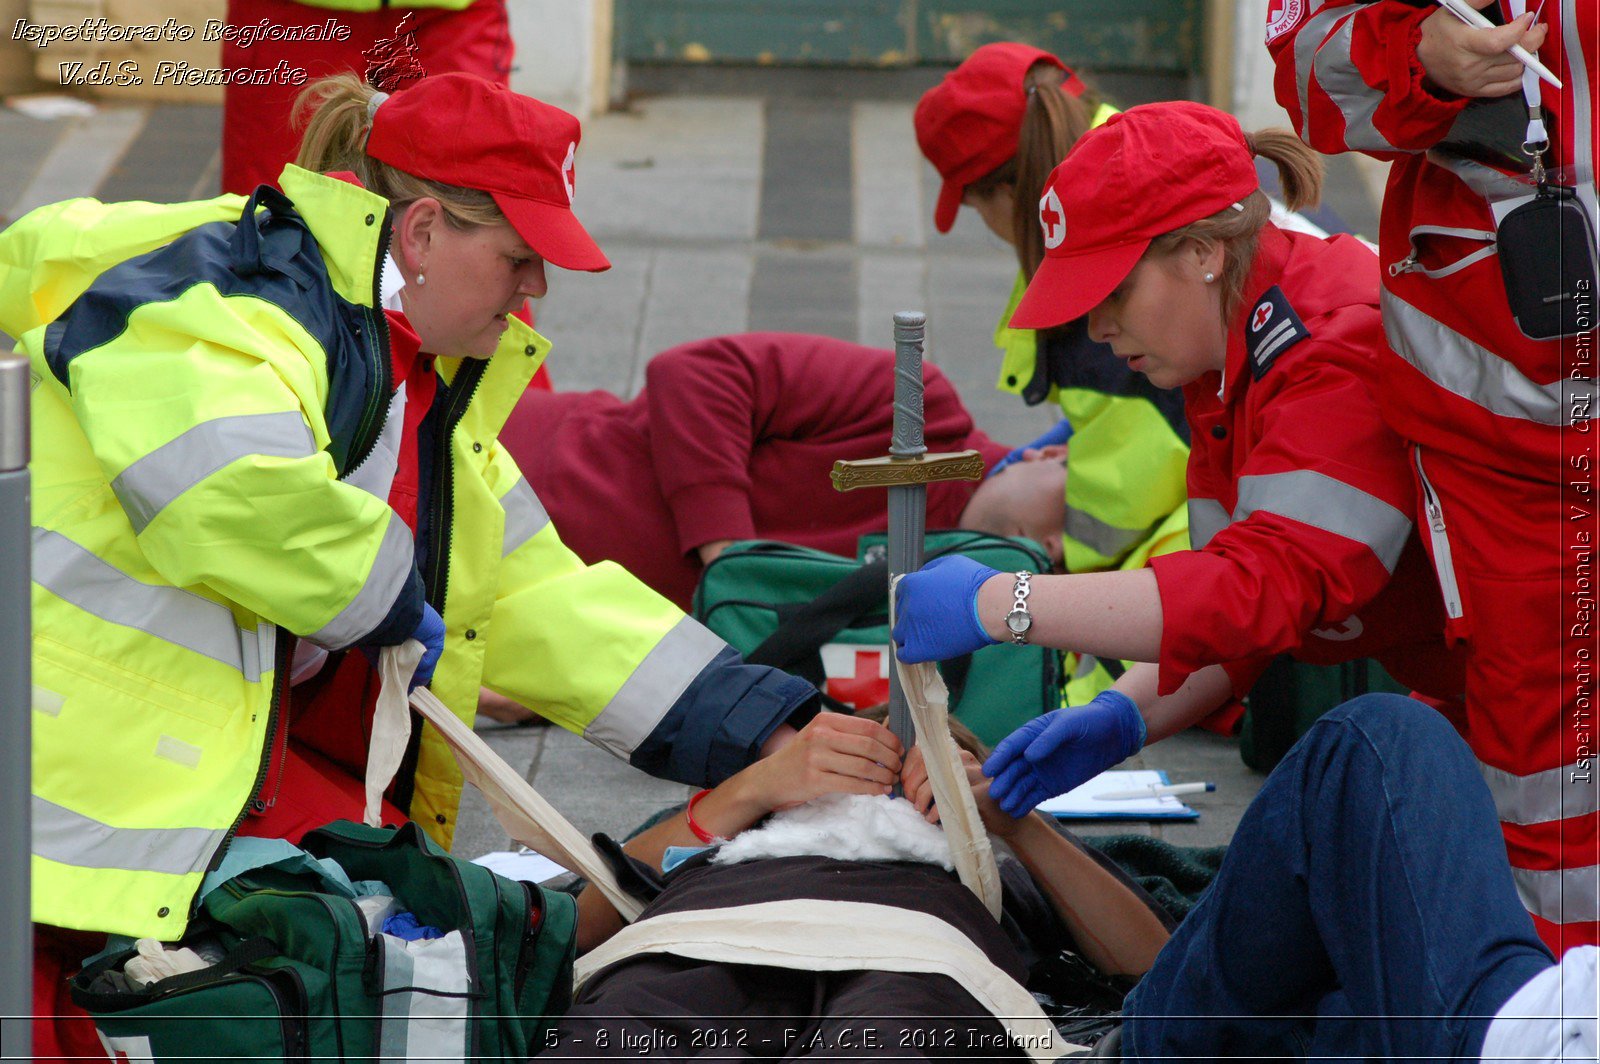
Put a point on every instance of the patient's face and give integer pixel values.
(1027, 498)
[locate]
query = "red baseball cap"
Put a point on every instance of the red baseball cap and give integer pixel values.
(1145, 172)
(969, 123)
(462, 130)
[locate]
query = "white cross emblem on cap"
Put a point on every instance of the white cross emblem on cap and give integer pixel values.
(568, 168)
(1052, 219)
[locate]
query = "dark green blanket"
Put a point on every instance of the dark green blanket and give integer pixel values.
(1175, 876)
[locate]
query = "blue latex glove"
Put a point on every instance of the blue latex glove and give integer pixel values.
(1061, 433)
(430, 633)
(936, 610)
(1055, 752)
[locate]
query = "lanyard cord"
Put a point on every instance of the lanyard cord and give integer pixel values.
(1537, 140)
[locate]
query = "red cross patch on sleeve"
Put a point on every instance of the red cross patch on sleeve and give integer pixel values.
(1271, 329)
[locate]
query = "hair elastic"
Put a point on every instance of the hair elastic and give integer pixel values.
(372, 104)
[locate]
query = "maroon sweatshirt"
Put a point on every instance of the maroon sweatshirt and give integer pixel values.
(731, 438)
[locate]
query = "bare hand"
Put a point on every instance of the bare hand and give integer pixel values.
(919, 789)
(1470, 61)
(834, 754)
(709, 552)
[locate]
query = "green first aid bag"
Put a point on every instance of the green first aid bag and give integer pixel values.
(1291, 695)
(303, 979)
(826, 618)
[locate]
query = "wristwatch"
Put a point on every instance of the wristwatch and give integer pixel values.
(1019, 621)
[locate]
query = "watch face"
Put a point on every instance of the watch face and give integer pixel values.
(1019, 621)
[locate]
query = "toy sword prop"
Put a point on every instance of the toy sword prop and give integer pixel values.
(906, 472)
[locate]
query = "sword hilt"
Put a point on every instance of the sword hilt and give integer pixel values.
(910, 331)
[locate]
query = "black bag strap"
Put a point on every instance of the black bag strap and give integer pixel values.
(824, 617)
(248, 952)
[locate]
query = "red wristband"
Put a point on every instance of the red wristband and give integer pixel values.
(699, 832)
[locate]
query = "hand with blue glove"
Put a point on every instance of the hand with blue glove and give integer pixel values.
(936, 610)
(1059, 434)
(1055, 752)
(430, 633)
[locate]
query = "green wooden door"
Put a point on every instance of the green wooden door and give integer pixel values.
(1147, 36)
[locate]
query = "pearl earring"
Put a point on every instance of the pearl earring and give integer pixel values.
(422, 278)
(1210, 277)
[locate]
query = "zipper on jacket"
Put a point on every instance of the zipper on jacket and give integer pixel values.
(435, 581)
(280, 691)
(370, 427)
(1443, 564)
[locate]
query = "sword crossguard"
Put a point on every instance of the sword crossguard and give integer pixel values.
(889, 471)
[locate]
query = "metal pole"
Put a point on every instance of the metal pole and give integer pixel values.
(908, 510)
(16, 700)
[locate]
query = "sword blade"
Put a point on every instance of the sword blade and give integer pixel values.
(908, 512)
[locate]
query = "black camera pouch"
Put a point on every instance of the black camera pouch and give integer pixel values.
(1547, 258)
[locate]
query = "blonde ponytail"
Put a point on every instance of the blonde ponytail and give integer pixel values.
(335, 113)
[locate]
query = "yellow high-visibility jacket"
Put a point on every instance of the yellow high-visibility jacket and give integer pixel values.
(212, 388)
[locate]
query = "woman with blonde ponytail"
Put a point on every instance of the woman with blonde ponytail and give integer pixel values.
(266, 437)
(1157, 232)
(995, 128)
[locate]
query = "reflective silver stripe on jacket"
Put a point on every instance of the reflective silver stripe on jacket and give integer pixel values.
(385, 580)
(427, 999)
(1206, 519)
(1486, 181)
(194, 622)
(653, 688)
(1337, 74)
(1563, 895)
(525, 516)
(1540, 797)
(1106, 540)
(1330, 504)
(1307, 43)
(1582, 97)
(148, 485)
(70, 838)
(1480, 376)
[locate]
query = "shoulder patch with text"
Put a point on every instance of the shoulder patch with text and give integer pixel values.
(1271, 329)
(1283, 16)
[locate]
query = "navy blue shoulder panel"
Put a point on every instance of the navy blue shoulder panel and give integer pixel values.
(719, 723)
(271, 256)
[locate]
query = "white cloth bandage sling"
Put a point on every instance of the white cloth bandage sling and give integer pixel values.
(859, 936)
(521, 810)
(525, 815)
(929, 702)
(391, 723)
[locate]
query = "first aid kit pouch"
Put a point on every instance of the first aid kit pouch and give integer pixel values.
(826, 618)
(306, 974)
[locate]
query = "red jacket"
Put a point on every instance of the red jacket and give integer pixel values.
(732, 438)
(1300, 498)
(1463, 378)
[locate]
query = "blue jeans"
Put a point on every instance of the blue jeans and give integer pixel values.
(1365, 908)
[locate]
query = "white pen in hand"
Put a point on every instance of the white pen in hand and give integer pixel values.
(1472, 17)
(1156, 790)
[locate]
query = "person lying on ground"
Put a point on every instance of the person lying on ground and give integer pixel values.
(650, 1002)
(1364, 910)
(733, 437)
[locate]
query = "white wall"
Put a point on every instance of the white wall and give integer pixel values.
(563, 52)
(1253, 103)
